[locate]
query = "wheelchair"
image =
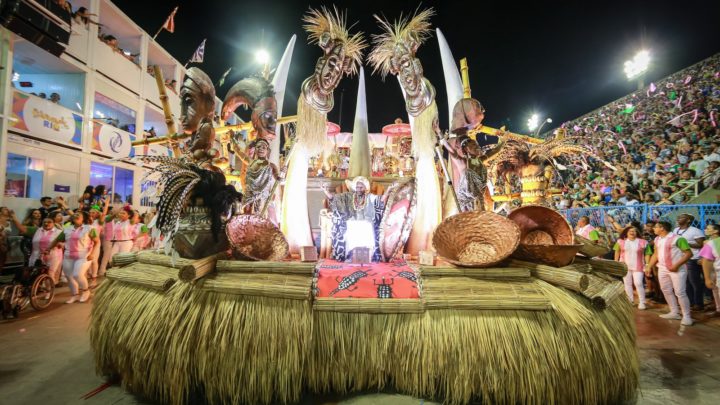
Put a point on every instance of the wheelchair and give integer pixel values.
(30, 285)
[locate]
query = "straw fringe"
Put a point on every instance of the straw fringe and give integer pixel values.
(248, 349)
(311, 131)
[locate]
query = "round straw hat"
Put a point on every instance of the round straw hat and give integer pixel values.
(255, 238)
(476, 239)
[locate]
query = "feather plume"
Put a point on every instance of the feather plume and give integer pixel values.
(322, 21)
(404, 30)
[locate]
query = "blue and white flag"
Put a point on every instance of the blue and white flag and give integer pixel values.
(199, 53)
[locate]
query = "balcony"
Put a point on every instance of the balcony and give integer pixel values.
(117, 67)
(117, 49)
(80, 34)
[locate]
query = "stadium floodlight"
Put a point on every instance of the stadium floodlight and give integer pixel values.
(262, 57)
(638, 65)
(547, 121)
(532, 122)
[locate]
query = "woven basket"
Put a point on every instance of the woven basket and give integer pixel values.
(590, 248)
(255, 238)
(542, 226)
(552, 255)
(476, 239)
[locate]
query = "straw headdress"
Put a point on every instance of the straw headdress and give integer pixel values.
(324, 26)
(410, 32)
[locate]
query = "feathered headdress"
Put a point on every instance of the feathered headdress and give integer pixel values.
(410, 32)
(325, 27)
(179, 181)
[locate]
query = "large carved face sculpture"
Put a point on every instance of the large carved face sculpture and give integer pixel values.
(264, 118)
(329, 69)
(409, 70)
(197, 100)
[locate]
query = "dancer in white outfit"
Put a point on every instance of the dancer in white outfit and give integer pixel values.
(80, 242)
(671, 254)
(634, 252)
(42, 237)
(710, 254)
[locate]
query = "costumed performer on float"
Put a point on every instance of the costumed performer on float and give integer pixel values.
(356, 217)
(394, 53)
(468, 158)
(257, 93)
(342, 54)
(260, 178)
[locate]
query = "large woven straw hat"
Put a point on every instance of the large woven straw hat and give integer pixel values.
(545, 236)
(542, 226)
(476, 239)
(255, 238)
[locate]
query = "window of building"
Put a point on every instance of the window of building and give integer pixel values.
(110, 112)
(118, 181)
(24, 176)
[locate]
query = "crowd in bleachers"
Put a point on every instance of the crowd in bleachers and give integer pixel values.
(663, 140)
(77, 244)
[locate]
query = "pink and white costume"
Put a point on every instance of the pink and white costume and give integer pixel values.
(672, 284)
(632, 253)
(78, 244)
(711, 251)
(118, 238)
(40, 242)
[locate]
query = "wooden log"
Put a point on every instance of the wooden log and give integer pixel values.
(123, 259)
(611, 267)
(198, 268)
(237, 266)
(559, 276)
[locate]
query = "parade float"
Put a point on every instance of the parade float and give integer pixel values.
(237, 308)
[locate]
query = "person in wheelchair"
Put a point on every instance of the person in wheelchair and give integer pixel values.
(41, 238)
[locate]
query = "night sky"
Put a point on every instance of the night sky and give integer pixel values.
(559, 59)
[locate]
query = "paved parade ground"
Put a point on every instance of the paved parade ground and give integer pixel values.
(46, 359)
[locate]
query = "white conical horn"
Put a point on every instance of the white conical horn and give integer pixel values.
(453, 81)
(279, 83)
(360, 151)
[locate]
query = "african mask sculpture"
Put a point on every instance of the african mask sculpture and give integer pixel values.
(342, 54)
(394, 53)
(257, 93)
(197, 110)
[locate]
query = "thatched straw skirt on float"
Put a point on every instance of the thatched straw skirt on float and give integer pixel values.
(256, 338)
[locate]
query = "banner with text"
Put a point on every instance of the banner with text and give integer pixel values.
(46, 120)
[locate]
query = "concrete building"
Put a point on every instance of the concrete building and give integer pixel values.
(107, 99)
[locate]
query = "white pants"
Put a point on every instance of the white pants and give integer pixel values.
(109, 250)
(75, 270)
(673, 288)
(637, 278)
(716, 297)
